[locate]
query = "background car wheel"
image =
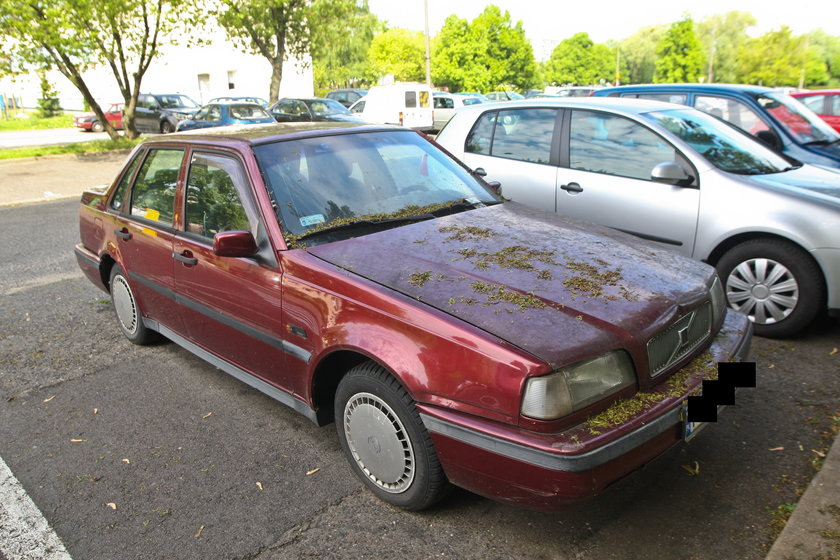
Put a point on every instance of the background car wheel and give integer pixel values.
(166, 127)
(774, 282)
(129, 317)
(97, 127)
(385, 441)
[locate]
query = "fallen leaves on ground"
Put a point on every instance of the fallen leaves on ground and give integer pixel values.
(692, 470)
(313, 471)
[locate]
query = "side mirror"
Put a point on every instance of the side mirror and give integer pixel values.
(672, 173)
(480, 172)
(235, 244)
(496, 187)
(770, 138)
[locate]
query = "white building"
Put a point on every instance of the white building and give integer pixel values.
(216, 70)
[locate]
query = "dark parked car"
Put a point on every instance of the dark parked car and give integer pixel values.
(346, 96)
(162, 112)
(311, 109)
(771, 115)
(361, 275)
(222, 114)
(90, 122)
(824, 102)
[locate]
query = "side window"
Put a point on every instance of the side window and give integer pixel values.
(679, 98)
(524, 134)
(732, 111)
(834, 105)
(411, 99)
(814, 102)
(216, 191)
(118, 199)
(153, 196)
(481, 136)
(614, 145)
(143, 101)
(214, 114)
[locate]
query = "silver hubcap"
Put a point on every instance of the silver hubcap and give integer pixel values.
(763, 289)
(379, 442)
(124, 304)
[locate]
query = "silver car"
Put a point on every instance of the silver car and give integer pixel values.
(676, 176)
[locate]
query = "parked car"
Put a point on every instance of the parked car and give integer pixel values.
(162, 112)
(676, 176)
(445, 105)
(576, 91)
(503, 96)
(770, 115)
(346, 96)
(405, 104)
(529, 93)
(90, 122)
(241, 99)
(361, 275)
(311, 109)
(223, 114)
(824, 102)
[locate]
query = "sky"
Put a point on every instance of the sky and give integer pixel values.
(609, 19)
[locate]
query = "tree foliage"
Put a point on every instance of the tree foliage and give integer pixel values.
(639, 52)
(721, 36)
(580, 61)
(679, 54)
(827, 47)
(484, 54)
(400, 53)
(778, 59)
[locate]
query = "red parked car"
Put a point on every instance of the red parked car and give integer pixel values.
(824, 102)
(362, 276)
(90, 122)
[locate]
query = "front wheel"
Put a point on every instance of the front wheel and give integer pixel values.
(129, 316)
(97, 127)
(775, 283)
(385, 441)
(166, 127)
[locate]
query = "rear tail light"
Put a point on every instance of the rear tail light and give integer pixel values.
(401, 118)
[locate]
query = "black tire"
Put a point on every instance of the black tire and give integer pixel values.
(129, 316)
(166, 127)
(97, 127)
(775, 282)
(396, 459)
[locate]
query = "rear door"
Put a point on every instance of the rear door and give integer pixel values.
(417, 108)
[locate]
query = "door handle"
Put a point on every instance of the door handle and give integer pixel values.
(186, 258)
(123, 234)
(572, 187)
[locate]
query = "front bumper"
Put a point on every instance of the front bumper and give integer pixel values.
(553, 471)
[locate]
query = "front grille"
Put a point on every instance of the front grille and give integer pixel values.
(680, 339)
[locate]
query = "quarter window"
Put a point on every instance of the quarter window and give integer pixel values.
(614, 145)
(153, 197)
(118, 200)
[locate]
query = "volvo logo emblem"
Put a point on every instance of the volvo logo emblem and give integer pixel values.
(682, 337)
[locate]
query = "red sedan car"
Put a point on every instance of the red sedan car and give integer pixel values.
(90, 122)
(824, 102)
(362, 276)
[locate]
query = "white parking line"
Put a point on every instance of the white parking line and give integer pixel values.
(24, 532)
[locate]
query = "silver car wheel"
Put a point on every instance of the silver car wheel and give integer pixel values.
(764, 289)
(379, 443)
(124, 304)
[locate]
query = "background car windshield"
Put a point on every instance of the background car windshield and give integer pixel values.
(798, 119)
(726, 147)
(248, 112)
(173, 101)
(328, 107)
(316, 182)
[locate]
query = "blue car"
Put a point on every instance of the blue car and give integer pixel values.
(221, 114)
(769, 114)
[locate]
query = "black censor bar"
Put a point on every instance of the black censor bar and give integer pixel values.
(720, 391)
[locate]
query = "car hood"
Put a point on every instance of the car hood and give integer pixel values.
(557, 288)
(807, 181)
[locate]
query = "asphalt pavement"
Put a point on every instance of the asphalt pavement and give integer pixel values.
(812, 532)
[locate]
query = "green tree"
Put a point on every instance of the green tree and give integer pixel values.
(48, 105)
(400, 53)
(484, 54)
(777, 59)
(639, 52)
(342, 63)
(75, 35)
(579, 61)
(827, 47)
(722, 37)
(679, 54)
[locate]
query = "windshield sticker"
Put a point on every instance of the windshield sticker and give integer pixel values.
(312, 220)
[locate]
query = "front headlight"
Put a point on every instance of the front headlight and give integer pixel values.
(560, 393)
(718, 300)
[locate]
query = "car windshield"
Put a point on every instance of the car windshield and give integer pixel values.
(324, 182)
(725, 146)
(324, 107)
(174, 101)
(800, 121)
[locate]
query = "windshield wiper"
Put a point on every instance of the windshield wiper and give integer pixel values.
(822, 142)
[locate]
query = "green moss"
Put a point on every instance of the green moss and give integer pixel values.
(420, 278)
(589, 280)
(466, 233)
(496, 293)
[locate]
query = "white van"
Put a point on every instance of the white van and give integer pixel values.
(406, 104)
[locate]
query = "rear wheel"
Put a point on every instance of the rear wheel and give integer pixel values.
(166, 127)
(774, 282)
(97, 127)
(129, 316)
(385, 441)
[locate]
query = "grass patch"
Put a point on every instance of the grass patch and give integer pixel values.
(94, 146)
(36, 123)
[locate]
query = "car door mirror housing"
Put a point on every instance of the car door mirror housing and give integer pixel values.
(235, 244)
(672, 173)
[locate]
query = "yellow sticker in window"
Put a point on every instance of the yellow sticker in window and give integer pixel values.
(152, 214)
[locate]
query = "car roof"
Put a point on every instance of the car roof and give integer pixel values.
(815, 92)
(617, 104)
(720, 88)
(256, 134)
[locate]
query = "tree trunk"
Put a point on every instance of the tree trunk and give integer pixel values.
(276, 78)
